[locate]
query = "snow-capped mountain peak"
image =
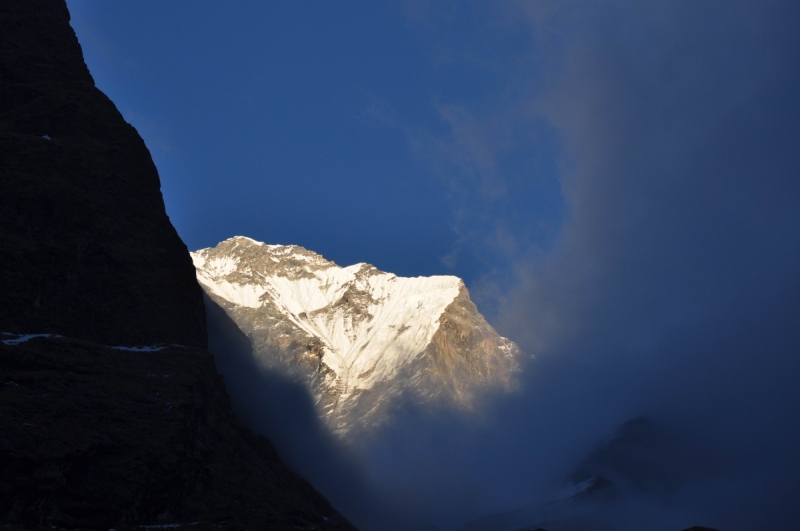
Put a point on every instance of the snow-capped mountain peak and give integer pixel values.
(344, 330)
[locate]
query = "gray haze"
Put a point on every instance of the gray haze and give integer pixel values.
(672, 292)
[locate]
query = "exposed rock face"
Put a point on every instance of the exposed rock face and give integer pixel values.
(358, 337)
(86, 247)
(92, 436)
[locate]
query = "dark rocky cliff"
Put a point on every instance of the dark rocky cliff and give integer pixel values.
(86, 247)
(93, 437)
(97, 438)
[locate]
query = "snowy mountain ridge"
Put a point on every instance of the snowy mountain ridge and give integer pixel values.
(351, 330)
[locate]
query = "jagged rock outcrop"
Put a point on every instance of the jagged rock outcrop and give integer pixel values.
(359, 338)
(94, 436)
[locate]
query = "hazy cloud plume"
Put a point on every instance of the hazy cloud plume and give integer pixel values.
(672, 290)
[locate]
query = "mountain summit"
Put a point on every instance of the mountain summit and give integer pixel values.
(359, 338)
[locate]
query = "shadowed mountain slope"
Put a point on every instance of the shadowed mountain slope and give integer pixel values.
(98, 438)
(115, 415)
(86, 247)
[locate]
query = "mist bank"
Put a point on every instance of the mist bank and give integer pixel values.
(524, 456)
(674, 291)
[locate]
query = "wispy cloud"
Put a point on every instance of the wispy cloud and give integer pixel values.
(672, 287)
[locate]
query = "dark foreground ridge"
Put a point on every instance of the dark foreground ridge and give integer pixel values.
(95, 437)
(87, 247)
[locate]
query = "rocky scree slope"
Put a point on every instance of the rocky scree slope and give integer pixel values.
(114, 416)
(359, 338)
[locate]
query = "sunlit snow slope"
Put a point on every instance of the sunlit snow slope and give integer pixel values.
(355, 335)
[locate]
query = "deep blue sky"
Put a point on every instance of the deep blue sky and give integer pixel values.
(358, 130)
(620, 178)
